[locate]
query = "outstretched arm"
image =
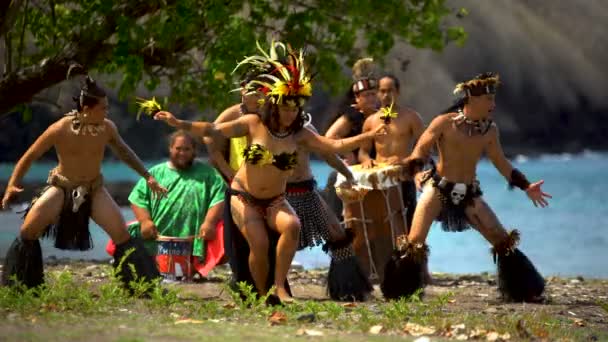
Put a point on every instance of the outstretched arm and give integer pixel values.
(321, 144)
(38, 148)
(333, 159)
(126, 154)
(234, 128)
(514, 176)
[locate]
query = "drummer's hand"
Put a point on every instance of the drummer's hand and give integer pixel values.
(418, 177)
(207, 232)
(394, 160)
(368, 164)
(148, 230)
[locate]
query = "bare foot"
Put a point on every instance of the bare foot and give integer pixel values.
(284, 295)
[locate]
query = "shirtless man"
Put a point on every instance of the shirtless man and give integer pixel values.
(350, 123)
(404, 128)
(361, 102)
(453, 195)
(75, 193)
(346, 280)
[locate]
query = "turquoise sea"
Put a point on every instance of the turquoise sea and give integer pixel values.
(568, 238)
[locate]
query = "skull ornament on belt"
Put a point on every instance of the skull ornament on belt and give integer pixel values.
(458, 193)
(78, 197)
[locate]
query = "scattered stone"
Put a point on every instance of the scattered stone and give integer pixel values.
(277, 318)
(376, 329)
(307, 318)
(423, 339)
(418, 330)
(309, 332)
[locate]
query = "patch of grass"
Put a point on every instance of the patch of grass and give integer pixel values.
(66, 308)
(604, 305)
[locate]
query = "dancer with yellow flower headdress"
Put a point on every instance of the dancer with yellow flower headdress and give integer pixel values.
(257, 203)
(453, 196)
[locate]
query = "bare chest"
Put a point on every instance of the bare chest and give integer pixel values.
(457, 143)
(85, 147)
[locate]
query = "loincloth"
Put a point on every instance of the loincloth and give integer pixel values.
(455, 198)
(71, 231)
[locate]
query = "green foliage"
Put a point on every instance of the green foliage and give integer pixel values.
(193, 45)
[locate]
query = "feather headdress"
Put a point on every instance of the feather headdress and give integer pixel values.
(485, 83)
(280, 73)
(364, 75)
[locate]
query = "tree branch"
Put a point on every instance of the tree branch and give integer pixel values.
(21, 86)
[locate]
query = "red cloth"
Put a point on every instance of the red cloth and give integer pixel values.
(213, 255)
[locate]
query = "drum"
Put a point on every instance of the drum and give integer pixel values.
(374, 209)
(174, 257)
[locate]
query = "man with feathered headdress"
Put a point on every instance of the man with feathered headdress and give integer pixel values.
(452, 195)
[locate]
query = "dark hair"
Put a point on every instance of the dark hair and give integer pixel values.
(393, 78)
(181, 133)
(90, 94)
(458, 104)
(270, 117)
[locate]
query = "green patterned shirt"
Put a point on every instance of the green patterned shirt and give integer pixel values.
(180, 214)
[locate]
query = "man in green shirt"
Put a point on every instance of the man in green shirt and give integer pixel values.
(193, 205)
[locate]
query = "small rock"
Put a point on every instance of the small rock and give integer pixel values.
(376, 329)
(490, 310)
(575, 281)
(423, 339)
(308, 318)
(91, 267)
(309, 332)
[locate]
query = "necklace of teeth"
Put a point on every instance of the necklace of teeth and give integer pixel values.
(80, 128)
(480, 127)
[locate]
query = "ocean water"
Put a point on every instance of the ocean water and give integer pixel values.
(568, 238)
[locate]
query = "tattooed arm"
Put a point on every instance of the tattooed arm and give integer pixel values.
(124, 153)
(321, 144)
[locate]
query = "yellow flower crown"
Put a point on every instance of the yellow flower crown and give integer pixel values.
(283, 75)
(480, 85)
